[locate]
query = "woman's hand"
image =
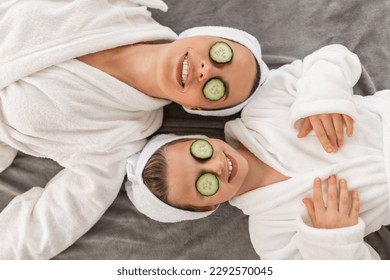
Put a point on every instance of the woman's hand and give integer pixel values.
(329, 129)
(341, 208)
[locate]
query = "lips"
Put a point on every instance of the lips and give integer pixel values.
(182, 70)
(232, 167)
(184, 73)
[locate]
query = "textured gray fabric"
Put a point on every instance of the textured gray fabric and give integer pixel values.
(287, 30)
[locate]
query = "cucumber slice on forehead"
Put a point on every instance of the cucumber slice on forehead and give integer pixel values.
(201, 149)
(214, 89)
(207, 184)
(221, 53)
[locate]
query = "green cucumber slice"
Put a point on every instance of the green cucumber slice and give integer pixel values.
(221, 53)
(214, 89)
(207, 184)
(201, 149)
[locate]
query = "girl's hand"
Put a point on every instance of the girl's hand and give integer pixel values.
(341, 208)
(329, 129)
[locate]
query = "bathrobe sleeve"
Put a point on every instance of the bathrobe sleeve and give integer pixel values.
(42, 222)
(326, 84)
(342, 243)
(283, 239)
(7, 155)
(41, 33)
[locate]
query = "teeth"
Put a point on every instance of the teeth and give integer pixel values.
(184, 71)
(230, 166)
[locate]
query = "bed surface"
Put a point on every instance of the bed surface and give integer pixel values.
(287, 30)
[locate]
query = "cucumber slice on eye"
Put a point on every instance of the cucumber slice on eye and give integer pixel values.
(207, 184)
(201, 149)
(221, 53)
(214, 89)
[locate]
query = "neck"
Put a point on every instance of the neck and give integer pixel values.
(259, 173)
(134, 65)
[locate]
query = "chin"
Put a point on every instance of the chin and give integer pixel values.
(242, 174)
(240, 179)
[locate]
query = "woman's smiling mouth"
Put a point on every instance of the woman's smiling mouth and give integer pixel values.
(232, 167)
(182, 70)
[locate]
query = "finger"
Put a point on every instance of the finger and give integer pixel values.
(327, 122)
(332, 199)
(349, 124)
(355, 208)
(344, 205)
(310, 209)
(305, 128)
(338, 123)
(321, 134)
(318, 200)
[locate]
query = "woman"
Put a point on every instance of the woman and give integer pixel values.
(84, 83)
(272, 170)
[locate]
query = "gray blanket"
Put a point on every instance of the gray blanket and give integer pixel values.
(287, 30)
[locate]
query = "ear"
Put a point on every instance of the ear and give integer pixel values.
(206, 208)
(214, 207)
(193, 108)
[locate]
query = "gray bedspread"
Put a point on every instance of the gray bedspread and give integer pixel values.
(287, 30)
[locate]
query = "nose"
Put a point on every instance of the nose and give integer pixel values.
(204, 71)
(215, 165)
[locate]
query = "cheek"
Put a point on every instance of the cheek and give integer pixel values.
(194, 98)
(226, 192)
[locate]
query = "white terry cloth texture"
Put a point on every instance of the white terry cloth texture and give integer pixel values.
(321, 83)
(140, 195)
(239, 36)
(39, 34)
(54, 106)
(278, 225)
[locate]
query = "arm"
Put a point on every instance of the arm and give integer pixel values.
(324, 95)
(42, 222)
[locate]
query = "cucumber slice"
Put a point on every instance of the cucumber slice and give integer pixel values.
(207, 184)
(201, 149)
(221, 53)
(214, 89)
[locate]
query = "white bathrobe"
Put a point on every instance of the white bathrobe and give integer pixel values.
(54, 106)
(278, 221)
